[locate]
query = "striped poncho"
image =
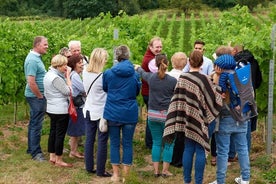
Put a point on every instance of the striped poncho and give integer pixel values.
(195, 104)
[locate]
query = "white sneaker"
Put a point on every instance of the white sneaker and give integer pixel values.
(240, 181)
(214, 182)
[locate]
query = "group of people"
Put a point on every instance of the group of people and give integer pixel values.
(194, 113)
(186, 112)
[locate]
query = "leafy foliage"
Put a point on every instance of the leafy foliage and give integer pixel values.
(134, 31)
(248, 31)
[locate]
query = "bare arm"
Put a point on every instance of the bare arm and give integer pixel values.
(34, 87)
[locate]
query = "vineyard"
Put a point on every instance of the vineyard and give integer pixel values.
(178, 32)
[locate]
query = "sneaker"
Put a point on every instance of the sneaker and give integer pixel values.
(39, 157)
(214, 182)
(239, 180)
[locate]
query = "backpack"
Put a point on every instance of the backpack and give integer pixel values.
(241, 93)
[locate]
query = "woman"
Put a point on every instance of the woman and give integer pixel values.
(76, 129)
(161, 87)
(179, 61)
(194, 105)
(122, 85)
(57, 86)
(93, 111)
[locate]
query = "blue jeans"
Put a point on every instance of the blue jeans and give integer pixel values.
(232, 151)
(37, 112)
(114, 130)
(91, 129)
(192, 147)
(229, 128)
(157, 130)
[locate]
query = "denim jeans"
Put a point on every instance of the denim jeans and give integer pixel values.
(148, 136)
(37, 112)
(232, 151)
(91, 129)
(192, 147)
(114, 130)
(228, 127)
(157, 130)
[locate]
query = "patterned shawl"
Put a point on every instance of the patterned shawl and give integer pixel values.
(195, 104)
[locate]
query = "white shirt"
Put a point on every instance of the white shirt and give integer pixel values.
(175, 73)
(96, 98)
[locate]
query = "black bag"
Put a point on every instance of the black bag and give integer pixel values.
(78, 100)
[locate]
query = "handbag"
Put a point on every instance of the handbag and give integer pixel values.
(103, 127)
(78, 100)
(72, 109)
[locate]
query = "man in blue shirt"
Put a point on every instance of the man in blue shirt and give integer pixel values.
(34, 70)
(207, 66)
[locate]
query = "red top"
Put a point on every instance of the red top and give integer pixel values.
(145, 65)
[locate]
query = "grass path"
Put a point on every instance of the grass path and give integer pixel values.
(17, 167)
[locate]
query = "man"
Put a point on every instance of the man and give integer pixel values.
(34, 72)
(207, 66)
(148, 64)
(75, 49)
(230, 130)
(242, 55)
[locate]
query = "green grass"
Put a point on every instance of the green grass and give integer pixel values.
(17, 167)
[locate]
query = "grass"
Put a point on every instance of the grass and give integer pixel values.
(17, 167)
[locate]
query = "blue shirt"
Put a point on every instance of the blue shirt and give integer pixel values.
(34, 66)
(206, 68)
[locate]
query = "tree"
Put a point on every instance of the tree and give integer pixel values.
(131, 7)
(251, 4)
(82, 8)
(148, 4)
(186, 5)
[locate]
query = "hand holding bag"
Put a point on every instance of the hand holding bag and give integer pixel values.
(103, 127)
(72, 110)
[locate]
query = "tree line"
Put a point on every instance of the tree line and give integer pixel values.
(92, 8)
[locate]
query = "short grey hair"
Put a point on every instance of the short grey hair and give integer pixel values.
(74, 42)
(122, 52)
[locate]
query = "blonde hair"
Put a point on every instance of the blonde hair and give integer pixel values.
(179, 60)
(58, 60)
(97, 60)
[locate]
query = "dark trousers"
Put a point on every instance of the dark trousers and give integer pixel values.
(148, 138)
(91, 129)
(213, 145)
(178, 150)
(58, 128)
